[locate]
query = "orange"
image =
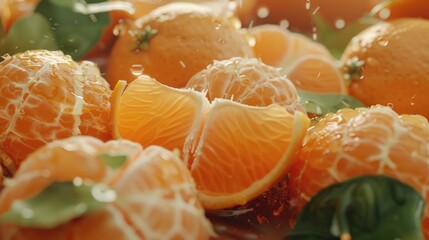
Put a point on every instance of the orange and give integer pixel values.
(279, 47)
(234, 151)
(45, 96)
(297, 14)
(173, 43)
(394, 9)
(364, 141)
(308, 64)
(156, 193)
(149, 113)
(386, 65)
(247, 81)
(243, 151)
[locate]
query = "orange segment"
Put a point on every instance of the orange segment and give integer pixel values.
(279, 47)
(308, 64)
(264, 142)
(317, 73)
(154, 114)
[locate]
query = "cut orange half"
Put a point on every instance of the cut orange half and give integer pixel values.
(234, 151)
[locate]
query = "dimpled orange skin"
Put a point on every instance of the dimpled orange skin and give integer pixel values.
(45, 96)
(189, 37)
(396, 65)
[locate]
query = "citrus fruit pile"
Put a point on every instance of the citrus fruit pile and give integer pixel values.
(214, 119)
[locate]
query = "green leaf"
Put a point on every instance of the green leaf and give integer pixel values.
(58, 203)
(321, 104)
(113, 161)
(30, 32)
(363, 208)
(336, 40)
(76, 33)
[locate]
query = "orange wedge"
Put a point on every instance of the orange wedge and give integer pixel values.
(151, 113)
(308, 64)
(234, 151)
(243, 150)
(279, 47)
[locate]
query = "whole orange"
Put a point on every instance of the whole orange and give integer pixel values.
(388, 64)
(45, 96)
(174, 42)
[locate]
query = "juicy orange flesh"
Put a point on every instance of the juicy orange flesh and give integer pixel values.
(257, 147)
(162, 117)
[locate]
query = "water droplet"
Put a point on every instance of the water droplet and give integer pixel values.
(384, 13)
(103, 194)
(340, 23)
(27, 213)
(251, 40)
(77, 181)
(371, 61)
(119, 28)
(137, 69)
(383, 42)
(390, 105)
(315, 10)
(182, 64)
(235, 21)
(314, 33)
(263, 12)
(307, 4)
(284, 24)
